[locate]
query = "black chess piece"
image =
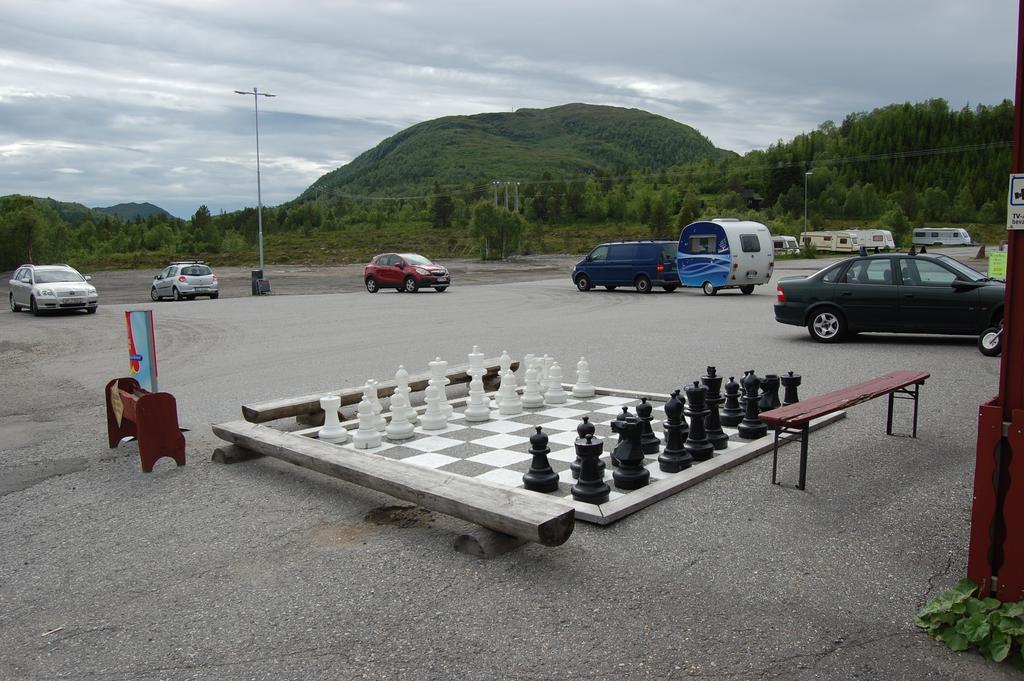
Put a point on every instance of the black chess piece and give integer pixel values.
(649, 442)
(751, 427)
(674, 457)
(585, 428)
(731, 413)
(712, 423)
(790, 381)
(630, 473)
(591, 487)
(769, 393)
(620, 417)
(540, 477)
(697, 442)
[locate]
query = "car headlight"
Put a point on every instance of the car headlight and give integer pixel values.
(46, 291)
(91, 291)
(420, 270)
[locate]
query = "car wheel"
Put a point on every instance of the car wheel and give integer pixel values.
(610, 288)
(642, 284)
(32, 306)
(708, 288)
(410, 285)
(152, 294)
(177, 294)
(214, 296)
(14, 306)
(92, 310)
(371, 285)
(990, 342)
(747, 290)
(440, 289)
(583, 283)
(827, 326)
(669, 288)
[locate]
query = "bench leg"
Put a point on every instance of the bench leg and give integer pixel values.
(805, 431)
(888, 419)
(917, 389)
(775, 455)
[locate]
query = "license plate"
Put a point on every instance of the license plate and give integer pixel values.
(72, 300)
(200, 290)
(442, 280)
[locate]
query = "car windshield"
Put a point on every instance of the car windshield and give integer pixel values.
(57, 276)
(414, 259)
(963, 270)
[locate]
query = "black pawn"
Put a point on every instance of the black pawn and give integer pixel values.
(731, 413)
(697, 443)
(751, 427)
(591, 487)
(674, 458)
(540, 477)
(769, 393)
(630, 473)
(582, 431)
(790, 381)
(649, 442)
(712, 423)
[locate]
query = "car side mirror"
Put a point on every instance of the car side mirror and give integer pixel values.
(961, 285)
(88, 278)
(590, 258)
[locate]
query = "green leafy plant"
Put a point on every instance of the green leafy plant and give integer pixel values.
(961, 620)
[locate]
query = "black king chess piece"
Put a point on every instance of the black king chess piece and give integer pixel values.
(790, 381)
(751, 427)
(630, 473)
(591, 487)
(582, 431)
(769, 393)
(540, 477)
(674, 458)
(712, 423)
(697, 444)
(649, 442)
(731, 413)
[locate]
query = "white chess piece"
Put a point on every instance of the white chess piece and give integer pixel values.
(477, 408)
(434, 417)
(545, 371)
(332, 431)
(367, 436)
(476, 360)
(371, 396)
(583, 387)
(509, 402)
(556, 393)
(399, 428)
(532, 397)
(402, 386)
(439, 378)
(505, 383)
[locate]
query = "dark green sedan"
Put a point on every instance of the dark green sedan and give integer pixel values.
(901, 293)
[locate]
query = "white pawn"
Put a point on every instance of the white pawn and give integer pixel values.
(532, 397)
(332, 431)
(434, 417)
(367, 436)
(477, 408)
(439, 378)
(371, 396)
(509, 402)
(583, 387)
(556, 393)
(402, 386)
(399, 428)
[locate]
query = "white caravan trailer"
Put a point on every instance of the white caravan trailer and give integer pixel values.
(834, 241)
(785, 245)
(876, 239)
(932, 236)
(725, 253)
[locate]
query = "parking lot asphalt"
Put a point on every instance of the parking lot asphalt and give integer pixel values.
(261, 570)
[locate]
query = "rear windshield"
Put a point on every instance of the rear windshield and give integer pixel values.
(56, 276)
(196, 270)
(749, 243)
(669, 251)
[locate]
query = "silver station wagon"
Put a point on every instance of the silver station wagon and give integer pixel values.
(42, 288)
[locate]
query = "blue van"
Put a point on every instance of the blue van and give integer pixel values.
(641, 264)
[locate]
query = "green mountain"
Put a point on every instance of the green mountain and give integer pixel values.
(133, 211)
(569, 140)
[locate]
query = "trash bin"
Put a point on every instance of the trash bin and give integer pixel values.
(256, 276)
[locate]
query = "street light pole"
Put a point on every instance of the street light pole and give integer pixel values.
(802, 237)
(256, 94)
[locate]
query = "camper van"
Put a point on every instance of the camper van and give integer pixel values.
(835, 241)
(941, 237)
(785, 245)
(875, 240)
(725, 253)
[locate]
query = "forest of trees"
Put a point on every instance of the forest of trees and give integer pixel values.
(896, 167)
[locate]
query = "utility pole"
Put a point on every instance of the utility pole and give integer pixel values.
(506, 194)
(495, 185)
(256, 94)
(517, 197)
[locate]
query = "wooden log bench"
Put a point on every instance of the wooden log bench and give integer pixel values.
(309, 405)
(795, 419)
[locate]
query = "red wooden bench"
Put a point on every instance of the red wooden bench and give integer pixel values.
(795, 419)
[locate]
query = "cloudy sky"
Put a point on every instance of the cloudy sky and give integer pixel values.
(109, 101)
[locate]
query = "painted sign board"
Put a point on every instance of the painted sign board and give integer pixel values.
(997, 264)
(1015, 203)
(142, 348)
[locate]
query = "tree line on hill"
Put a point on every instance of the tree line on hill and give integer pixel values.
(897, 167)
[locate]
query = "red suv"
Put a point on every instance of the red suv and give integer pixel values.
(404, 272)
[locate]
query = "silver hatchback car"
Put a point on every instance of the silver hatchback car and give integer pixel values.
(51, 287)
(186, 279)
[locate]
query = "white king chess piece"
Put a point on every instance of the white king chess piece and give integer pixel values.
(332, 431)
(583, 387)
